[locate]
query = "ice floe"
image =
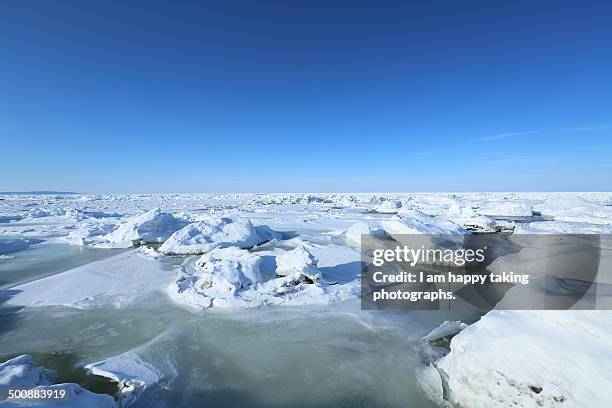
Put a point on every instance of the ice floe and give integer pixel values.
(299, 263)
(133, 375)
(234, 278)
(354, 232)
(200, 237)
(21, 373)
(389, 207)
(531, 359)
(121, 280)
(416, 222)
(153, 226)
(506, 209)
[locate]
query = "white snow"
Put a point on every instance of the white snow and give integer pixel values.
(507, 358)
(506, 209)
(389, 207)
(149, 227)
(202, 236)
(130, 371)
(232, 278)
(123, 279)
(354, 233)
(531, 359)
(576, 209)
(416, 222)
(77, 397)
(22, 372)
(298, 262)
(446, 329)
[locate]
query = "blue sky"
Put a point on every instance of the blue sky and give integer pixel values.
(305, 96)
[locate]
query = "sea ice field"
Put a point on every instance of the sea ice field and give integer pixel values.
(252, 300)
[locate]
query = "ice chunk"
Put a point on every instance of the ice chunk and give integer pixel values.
(202, 236)
(431, 383)
(149, 227)
(506, 208)
(446, 329)
(133, 375)
(416, 222)
(232, 268)
(126, 278)
(77, 397)
(22, 372)
(576, 210)
(298, 262)
(88, 232)
(389, 207)
(355, 231)
(472, 221)
(565, 363)
(221, 274)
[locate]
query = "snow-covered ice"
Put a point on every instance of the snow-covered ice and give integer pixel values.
(268, 251)
(531, 359)
(130, 371)
(22, 372)
(202, 236)
(149, 227)
(121, 280)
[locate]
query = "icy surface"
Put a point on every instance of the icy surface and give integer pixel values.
(133, 374)
(265, 251)
(77, 397)
(531, 359)
(299, 262)
(417, 222)
(446, 329)
(202, 236)
(151, 226)
(124, 279)
(354, 233)
(22, 372)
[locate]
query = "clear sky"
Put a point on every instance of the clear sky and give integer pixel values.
(210, 96)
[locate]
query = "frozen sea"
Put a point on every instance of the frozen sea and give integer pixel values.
(74, 291)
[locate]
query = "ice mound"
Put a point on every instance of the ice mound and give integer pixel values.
(77, 397)
(221, 274)
(354, 232)
(22, 372)
(506, 208)
(564, 365)
(389, 207)
(299, 263)
(445, 330)
(149, 227)
(229, 270)
(236, 278)
(416, 222)
(133, 375)
(471, 220)
(88, 233)
(200, 237)
(562, 227)
(576, 209)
